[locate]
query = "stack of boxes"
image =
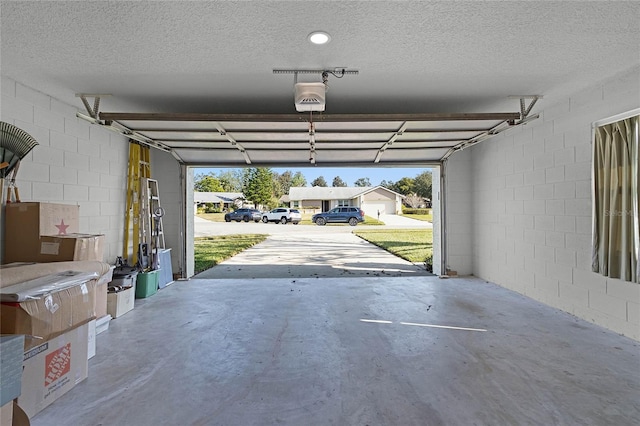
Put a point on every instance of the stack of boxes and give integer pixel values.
(47, 232)
(53, 318)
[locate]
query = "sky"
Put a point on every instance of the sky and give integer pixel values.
(348, 175)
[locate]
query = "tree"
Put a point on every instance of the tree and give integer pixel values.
(207, 183)
(422, 184)
(298, 180)
(319, 181)
(404, 186)
(258, 187)
(363, 182)
(231, 180)
(387, 184)
(285, 181)
(337, 181)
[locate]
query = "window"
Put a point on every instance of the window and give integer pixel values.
(616, 204)
(343, 203)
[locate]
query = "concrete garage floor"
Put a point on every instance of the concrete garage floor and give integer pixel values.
(305, 352)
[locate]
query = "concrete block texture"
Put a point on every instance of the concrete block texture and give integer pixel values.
(67, 166)
(559, 148)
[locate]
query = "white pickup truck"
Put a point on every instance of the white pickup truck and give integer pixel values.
(282, 215)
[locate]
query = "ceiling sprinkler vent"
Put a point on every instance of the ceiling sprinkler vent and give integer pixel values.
(310, 96)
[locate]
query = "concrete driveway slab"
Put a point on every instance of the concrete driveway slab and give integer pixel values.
(300, 255)
(298, 251)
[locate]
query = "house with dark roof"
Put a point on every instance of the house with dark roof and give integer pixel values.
(221, 200)
(371, 199)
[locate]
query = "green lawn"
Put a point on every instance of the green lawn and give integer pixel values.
(425, 217)
(213, 217)
(414, 245)
(209, 251)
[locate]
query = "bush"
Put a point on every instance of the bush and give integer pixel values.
(428, 263)
(211, 208)
(407, 210)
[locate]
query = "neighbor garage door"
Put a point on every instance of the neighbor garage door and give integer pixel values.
(371, 208)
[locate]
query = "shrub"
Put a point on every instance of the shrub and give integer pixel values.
(211, 208)
(428, 263)
(407, 210)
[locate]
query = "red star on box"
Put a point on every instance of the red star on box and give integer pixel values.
(62, 228)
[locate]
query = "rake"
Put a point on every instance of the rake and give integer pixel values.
(15, 144)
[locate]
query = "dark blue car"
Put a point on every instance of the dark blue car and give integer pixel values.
(350, 215)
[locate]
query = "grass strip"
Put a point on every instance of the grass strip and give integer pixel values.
(210, 251)
(414, 245)
(423, 217)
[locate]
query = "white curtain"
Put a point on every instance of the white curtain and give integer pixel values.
(616, 231)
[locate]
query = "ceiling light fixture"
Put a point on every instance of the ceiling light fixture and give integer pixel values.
(319, 37)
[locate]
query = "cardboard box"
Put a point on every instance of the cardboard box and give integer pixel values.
(46, 313)
(56, 248)
(25, 223)
(11, 350)
(121, 302)
(53, 368)
(35, 219)
(6, 413)
(68, 247)
(101, 299)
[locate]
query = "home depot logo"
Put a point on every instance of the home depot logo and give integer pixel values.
(57, 364)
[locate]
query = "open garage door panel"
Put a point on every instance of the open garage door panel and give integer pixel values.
(301, 140)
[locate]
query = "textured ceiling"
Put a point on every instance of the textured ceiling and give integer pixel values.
(412, 56)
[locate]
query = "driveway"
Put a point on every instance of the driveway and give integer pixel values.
(306, 251)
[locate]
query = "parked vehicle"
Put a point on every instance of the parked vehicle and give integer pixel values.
(282, 215)
(243, 214)
(350, 215)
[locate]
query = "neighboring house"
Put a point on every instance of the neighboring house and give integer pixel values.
(371, 199)
(221, 200)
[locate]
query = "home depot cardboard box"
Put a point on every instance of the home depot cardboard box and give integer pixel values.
(53, 368)
(25, 223)
(45, 314)
(57, 248)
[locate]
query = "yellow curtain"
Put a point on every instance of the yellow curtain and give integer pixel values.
(616, 235)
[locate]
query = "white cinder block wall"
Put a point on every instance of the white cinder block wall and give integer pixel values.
(530, 198)
(458, 213)
(166, 170)
(74, 163)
